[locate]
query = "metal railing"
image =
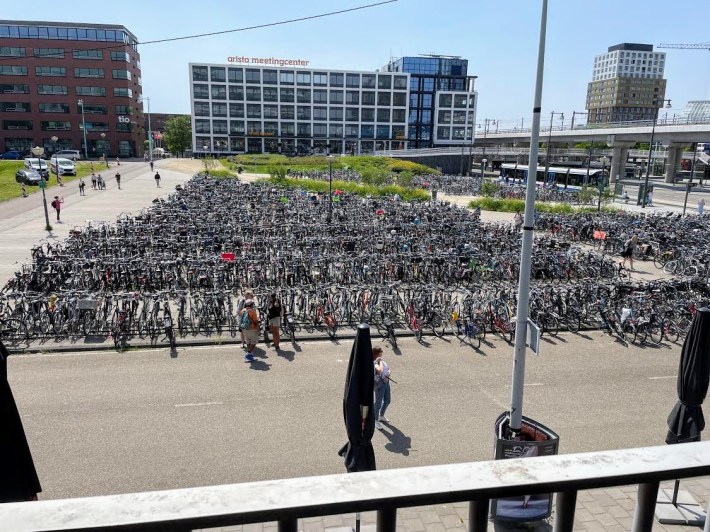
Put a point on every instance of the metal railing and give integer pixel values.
(286, 501)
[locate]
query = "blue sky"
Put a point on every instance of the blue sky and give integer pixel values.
(499, 38)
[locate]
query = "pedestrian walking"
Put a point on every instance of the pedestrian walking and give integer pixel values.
(518, 219)
(151, 166)
(118, 161)
(248, 294)
(93, 180)
(275, 314)
(157, 179)
(81, 187)
(92, 166)
(57, 205)
(701, 205)
(60, 180)
(250, 324)
(383, 395)
(649, 198)
(118, 180)
(24, 190)
(629, 248)
(100, 183)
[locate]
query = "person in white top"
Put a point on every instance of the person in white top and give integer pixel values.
(382, 387)
(701, 205)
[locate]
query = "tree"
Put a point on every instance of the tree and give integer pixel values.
(178, 134)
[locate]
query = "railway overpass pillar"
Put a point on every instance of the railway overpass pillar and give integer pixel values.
(675, 152)
(619, 154)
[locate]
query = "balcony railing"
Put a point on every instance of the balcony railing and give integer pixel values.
(286, 501)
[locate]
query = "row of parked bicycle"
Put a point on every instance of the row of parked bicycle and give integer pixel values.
(638, 313)
(218, 234)
(395, 264)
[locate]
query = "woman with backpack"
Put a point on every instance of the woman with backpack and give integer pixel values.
(250, 324)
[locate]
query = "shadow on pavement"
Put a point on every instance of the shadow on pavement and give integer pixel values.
(259, 365)
(535, 526)
(288, 355)
(398, 442)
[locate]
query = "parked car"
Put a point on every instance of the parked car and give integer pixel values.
(10, 155)
(38, 165)
(62, 166)
(28, 176)
(74, 155)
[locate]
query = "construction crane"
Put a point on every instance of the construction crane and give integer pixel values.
(697, 46)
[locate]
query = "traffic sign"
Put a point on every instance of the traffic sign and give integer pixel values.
(42, 184)
(533, 337)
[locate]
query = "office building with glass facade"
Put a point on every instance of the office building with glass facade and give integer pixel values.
(442, 101)
(255, 109)
(52, 73)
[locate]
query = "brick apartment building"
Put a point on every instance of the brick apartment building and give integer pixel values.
(52, 71)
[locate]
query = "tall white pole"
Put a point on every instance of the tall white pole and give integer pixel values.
(521, 325)
(150, 133)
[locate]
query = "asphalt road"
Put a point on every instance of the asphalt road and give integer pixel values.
(102, 422)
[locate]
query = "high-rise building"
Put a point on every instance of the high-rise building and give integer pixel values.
(627, 84)
(57, 76)
(438, 82)
(280, 108)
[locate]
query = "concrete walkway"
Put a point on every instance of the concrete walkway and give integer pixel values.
(22, 220)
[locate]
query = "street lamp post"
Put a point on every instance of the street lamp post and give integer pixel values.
(483, 168)
(37, 151)
(330, 187)
(141, 99)
(83, 127)
(54, 140)
(103, 148)
(689, 184)
(601, 184)
(549, 139)
(205, 148)
(650, 154)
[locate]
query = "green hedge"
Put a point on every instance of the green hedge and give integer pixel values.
(359, 163)
(514, 205)
(407, 194)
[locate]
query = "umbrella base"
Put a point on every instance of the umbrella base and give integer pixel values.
(686, 511)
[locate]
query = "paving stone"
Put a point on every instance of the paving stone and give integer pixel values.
(616, 493)
(617, 511)
(627, 504)
(583, 515)
(429, 516)
(330, 521)
(604, 499)
(451, 521)
(435, 527)
(414, 525)
(446, 510)
(312, 526)
(594, 507)
(253, 527)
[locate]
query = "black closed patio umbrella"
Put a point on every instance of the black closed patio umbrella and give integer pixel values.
(686, 420)
(18, 476)
(358, 405)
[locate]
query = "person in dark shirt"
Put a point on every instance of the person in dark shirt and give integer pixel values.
(274, 314)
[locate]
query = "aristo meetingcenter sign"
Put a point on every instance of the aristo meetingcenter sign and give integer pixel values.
(267, 61)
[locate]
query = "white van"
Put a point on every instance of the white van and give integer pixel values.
(74, 155)
(63, 166)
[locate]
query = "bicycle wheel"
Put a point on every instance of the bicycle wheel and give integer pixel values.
(182, 326)
(416, 327)
(331, 325)
(472, 335)
(655, 331)
(552, 325)
(573, 322)
(14, 331)
(392, 338)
